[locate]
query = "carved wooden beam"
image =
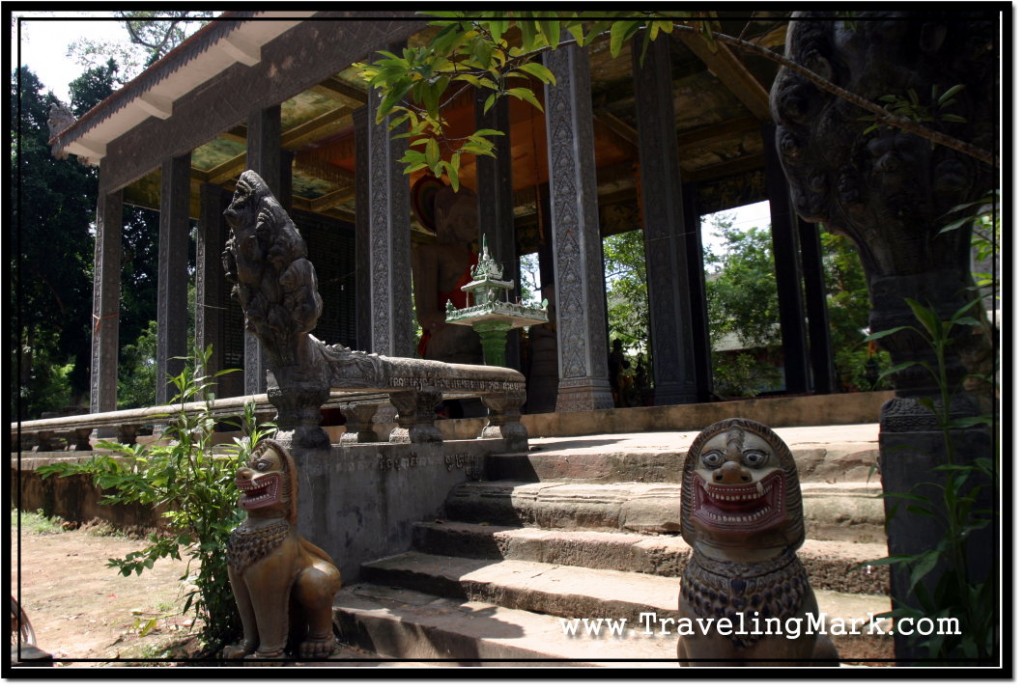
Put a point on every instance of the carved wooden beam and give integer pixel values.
(731, 71)
(352, 96)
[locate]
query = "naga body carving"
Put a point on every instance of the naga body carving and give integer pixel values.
(742, 513)
(266, 259)
(284, 586)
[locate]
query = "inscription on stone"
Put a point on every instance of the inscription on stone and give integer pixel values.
(421, 383)
(406, 462)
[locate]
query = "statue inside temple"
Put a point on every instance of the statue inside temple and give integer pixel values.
(440, 270)
(742, 513)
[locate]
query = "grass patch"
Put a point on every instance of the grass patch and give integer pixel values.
(36, 522)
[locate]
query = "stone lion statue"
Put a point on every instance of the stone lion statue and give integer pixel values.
(742, 513)
(284, 586)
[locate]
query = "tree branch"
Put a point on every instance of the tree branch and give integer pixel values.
(884, 116)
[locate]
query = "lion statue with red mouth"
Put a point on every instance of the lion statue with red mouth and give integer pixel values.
(742, 513)
(284, 586)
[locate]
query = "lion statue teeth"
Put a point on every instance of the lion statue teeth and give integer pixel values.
(742, 513)
(274, 572)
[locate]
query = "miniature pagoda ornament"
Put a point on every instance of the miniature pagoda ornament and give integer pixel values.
(490, 316)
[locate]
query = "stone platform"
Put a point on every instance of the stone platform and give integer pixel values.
(581, 530)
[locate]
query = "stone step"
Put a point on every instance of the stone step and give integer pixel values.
(830, 565)
(843, 512)
(572, 592)
(597, 461)
(399, 623)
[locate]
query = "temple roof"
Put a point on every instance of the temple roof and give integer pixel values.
(720, 100)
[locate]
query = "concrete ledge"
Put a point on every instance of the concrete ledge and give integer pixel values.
(570, 592)
(830, 565)
(783, 411)
(847, 512)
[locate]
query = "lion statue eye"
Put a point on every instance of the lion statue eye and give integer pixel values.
(712, 459)
(261, 465)
(754, 458)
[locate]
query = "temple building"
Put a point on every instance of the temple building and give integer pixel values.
(622, 144)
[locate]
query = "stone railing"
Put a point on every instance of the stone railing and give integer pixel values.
(413, 387)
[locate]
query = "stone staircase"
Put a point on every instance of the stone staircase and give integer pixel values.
(586, 534)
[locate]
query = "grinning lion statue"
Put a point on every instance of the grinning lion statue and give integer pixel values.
(742, 513)
(284, 586)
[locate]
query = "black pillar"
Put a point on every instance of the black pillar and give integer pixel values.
(106, 298)
(263, 155)
(787, 269)
(576, 238)
(494, 200)
(172, 274)
(665, 246)
(822, 365)
(694, 242)
(211, 285)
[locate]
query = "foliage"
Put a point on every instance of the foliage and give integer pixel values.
(858, 364)
(626, 279)
(191, 481)
(36, 522)
(151, 35)
(52, 251)
(139, 249)
(742, 295)
(743, 375)
(490, 51)
(136, 371)
(939, 577)
(94, 85)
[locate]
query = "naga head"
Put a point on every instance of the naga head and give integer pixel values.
(267, 483)
(741, 490)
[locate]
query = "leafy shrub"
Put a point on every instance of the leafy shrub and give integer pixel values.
(192, 481)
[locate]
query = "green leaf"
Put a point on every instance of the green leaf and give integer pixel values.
(576, 31)
(950, 93)
(877, 335)
(927, 317)
(552, 31)
(620, 32)
(524, 94)
(538, 71)
(922, 568)
(433, 152)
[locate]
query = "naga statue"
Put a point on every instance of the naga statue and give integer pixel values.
(284, 586)
(908, 204)
(265, 258)
(742, 513)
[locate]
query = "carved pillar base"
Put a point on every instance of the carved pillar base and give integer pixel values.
(81, 437)
(911, 445)
(504, 420)
(359, 423)
(45, 441)
(298, 409)
(416, 413)
(583, 394)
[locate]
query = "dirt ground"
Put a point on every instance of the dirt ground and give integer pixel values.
(87, 614)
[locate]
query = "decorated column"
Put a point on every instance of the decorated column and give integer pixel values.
(106, 297)
(579, 273)
(389, 265)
